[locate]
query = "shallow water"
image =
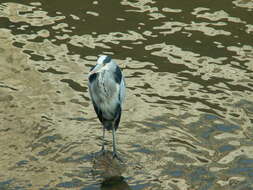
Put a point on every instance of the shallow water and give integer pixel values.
(187, 119)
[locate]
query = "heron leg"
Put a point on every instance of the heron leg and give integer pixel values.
(103, 140)
(115, 155)
(114, 141)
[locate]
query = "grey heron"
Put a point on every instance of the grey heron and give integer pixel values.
(107, 92)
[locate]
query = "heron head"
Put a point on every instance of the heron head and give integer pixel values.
(102, 64)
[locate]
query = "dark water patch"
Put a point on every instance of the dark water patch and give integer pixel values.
(176, 173)
(250, 85)
(50, 139)
(5, 185)
(74, 85)
(74, 183)
(8, 87)
(87, 98)
(235, 115)
(83, 51)
(226, 148)
(91, 187)
(174, 122)
(143, 150)
(46, 118)
(203, 160)
(81, 172)
(18, 44)
(33, 56)
(77, 118)
(226, 128)
(136, 74)
(175, 140)
(210, 117)
(242, 66)
(164, 117)
(77, 159)
(162, 99)
(53, 71)
(240, 185)
(246, 104)
(32, 158)
(5, 129)
(153, 126)
(244, 171)
(245, 161)
(202, 178)
(182, 158)
(15, 27)
(6, 98)
(76, 101)
(140, 185)
(69, 146)
(210, 131)
(60, 103)
(195, 99)
(206, 134)
(22, 163)
(239, 87)
(47, 151)
(145, 86)
(117, 182)
(204, 83)
(165, 65)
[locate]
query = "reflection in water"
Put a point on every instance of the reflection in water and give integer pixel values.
(188, 115)
(116, 183)
(110, 170)
(106, 166)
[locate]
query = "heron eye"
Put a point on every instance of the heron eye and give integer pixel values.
(107, 60)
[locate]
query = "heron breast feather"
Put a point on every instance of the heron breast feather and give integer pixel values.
(109, 109)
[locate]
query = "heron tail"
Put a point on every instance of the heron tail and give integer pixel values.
(108, 124)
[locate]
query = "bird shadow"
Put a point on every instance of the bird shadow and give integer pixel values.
(115, 183)
(110, 170)
(105, 166)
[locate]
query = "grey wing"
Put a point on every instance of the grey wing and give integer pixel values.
(92, 79)
(96, 107)
(122, 90)
(119, 79)
(98, 112)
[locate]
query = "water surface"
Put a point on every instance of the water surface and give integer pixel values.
(187, 119)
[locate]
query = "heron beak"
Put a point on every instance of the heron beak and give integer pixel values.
(96, 69)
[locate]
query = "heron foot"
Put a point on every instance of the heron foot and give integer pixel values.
(103, 150)
(115, 155)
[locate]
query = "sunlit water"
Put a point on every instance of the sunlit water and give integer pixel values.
(187, 119)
